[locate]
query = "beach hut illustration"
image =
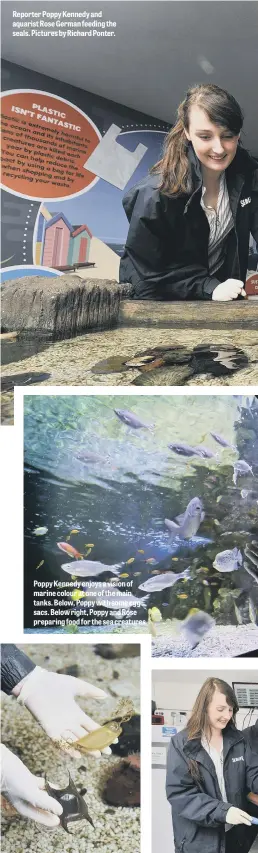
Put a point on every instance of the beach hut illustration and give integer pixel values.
(79, 246)
(64, 244)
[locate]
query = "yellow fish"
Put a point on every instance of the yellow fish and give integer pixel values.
(89, 545)
(68, 538)
(140, 551)
(77, 594)
(40, 564)
(124, 575)
(182, 595)
(203, 569)
(174, 559)
(88, 552)
(154, 614)
(150, 560)
(132, 559)
(74, 578)
(74, 531)
(218, 499)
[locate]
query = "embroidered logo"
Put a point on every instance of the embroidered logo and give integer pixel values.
(245, 201)
(241, 758)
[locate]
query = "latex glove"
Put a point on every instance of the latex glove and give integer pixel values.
(25, 791)
(50, 697)
(229, 289)
(236, 816)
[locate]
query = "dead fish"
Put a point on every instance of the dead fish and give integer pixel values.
(187, 524)
(195, 627)
(228, 561)
(183, 449)
(205, 452)
(222, 441)
(159, 582)
(89, 568)
(240, 469)
(132, 420)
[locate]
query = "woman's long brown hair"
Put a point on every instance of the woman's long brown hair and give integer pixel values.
(220, 107)
(198, 723)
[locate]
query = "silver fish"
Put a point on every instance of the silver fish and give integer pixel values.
(132, 420)
(108, 595)
(196, 626)
(183, 449)
(222, 441)
(159, 582)
(89, 568)
(240, 469)
(40, 531)
(187, 524)
(228, 561)
(205, 452)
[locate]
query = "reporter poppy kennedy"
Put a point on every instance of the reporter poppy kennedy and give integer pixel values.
(210, 770)
(191, 217)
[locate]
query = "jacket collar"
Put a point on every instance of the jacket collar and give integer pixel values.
(194, 749)
(242, 165)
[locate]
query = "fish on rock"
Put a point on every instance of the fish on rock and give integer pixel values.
(183, 449)
(187, 524)
(228, 561)
(195, 626)
(222, 441)
(168, 579)
(89, 568)
(240, 469)
(87, 456)
(132, 420)
(205, 452)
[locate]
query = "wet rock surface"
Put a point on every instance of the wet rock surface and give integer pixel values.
(111, 357)
(61, 306)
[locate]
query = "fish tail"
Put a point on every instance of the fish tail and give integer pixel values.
(145, 599)
(186, 573)
(116, 568)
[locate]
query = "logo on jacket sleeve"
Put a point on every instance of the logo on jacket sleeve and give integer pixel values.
(245, 201)
(241, 758)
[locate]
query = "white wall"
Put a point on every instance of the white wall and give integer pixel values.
(174, 690)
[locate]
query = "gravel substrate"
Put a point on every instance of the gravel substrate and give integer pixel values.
(222, 641)
(116, 828)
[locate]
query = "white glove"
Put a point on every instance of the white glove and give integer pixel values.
(50, 697)
(236, 816)
(25, 791)
(229, 289)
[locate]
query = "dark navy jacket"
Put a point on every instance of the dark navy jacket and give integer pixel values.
(14, 666)
(198, 810)
(166, 251)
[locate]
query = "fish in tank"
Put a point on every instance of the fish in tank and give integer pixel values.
(139, 521)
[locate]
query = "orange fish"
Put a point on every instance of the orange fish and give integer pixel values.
(69, 549)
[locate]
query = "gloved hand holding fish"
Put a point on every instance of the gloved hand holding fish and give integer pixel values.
(50, 697)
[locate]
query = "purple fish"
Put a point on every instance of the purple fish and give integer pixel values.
(222, 441)
(132, 420)
(183, 449)
(187, 524)
(240, 469)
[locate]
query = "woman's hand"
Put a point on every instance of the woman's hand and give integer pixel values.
(229, 289)
(25, 791)
(236, 816)
(50, 697)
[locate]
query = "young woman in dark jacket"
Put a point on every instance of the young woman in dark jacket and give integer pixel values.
(191, 218)
(208, 774)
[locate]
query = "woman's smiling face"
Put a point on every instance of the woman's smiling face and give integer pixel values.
(215, 146)
(219, 712)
